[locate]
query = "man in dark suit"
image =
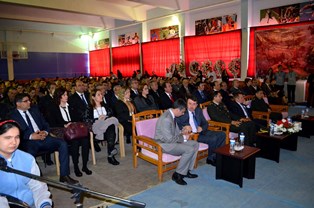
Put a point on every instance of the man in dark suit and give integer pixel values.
(194, 117)
(134, 88)
(35, 135)
(200, 93)
(153, 91)
(185, 90)
(46, 101)
(79, 101)
(167, 97)
(175, 142)
(217, 111)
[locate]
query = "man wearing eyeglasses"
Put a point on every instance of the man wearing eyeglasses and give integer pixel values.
(35, 136)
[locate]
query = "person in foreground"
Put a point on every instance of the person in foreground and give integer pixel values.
(195, 118)
(35, 135)
(33, 192)
(175, 142)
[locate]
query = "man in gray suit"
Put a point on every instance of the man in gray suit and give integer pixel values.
(175, 142)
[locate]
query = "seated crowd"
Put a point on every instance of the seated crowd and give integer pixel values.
(38, 105)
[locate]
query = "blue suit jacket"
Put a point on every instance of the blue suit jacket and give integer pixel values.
(25, 130)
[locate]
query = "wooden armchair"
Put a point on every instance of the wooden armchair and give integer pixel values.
(202, 150)
(217, 126)
(144, 146)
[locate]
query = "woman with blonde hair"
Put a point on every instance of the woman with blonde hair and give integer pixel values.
(124, 109)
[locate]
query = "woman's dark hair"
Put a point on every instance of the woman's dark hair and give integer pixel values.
(7, 124)
(58, 94)
(141, 88)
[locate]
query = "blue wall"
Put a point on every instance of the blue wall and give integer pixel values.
(47, 65)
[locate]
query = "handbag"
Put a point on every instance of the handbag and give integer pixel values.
(76, 130)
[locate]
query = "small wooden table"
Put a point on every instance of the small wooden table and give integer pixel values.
(233, 167)
(307, 125)
(270, 145)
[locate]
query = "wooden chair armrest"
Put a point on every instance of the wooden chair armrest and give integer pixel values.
(150, 144)
(194, 136)
(260, 115)
(219, 124)
(279, 108)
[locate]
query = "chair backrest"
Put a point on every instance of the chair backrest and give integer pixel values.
(146, 127)
(205, 113)
(204, 105)
(144, 123)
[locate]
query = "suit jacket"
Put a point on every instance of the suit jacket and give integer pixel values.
(185, 119)
(183, 92)
(44, 105)
(122, 112)
(55, 118)
(156, 96)
(133, 94)
(236, 109)
(199, 97)
(259, 105)
(220, 113)
(142, 105)
(25, 129)
(226, 99)
(166, 103)
(247, 90)
(167, 132)
(76, 102)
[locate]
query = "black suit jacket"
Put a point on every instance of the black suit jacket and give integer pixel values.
(122, 112)
(79, 105)
(55, 118)
(25, 130)
(166, 103)
(236, 109)
(156, 96)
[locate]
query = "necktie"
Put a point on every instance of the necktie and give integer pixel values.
(202, 94)
(82, 96)
(171, 98)
(195, 121)
(29, 123)
(66, 113)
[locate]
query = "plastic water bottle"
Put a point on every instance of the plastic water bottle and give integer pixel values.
(302, 113)
(289, 120)
(271, 129)
(242, 137)
(306, 113)
(232, 146)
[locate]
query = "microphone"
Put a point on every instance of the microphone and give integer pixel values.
(77, 189)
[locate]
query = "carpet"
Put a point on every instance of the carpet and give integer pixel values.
(287, 184)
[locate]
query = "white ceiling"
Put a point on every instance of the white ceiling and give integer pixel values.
(91, 14)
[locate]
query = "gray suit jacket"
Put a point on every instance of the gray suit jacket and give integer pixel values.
(167, 132)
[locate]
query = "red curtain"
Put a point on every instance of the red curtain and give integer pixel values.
(159, 55)
(223, 46)
(253, 30)
(126, 59)
(99, 62)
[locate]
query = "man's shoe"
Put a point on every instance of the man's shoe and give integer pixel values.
(191, 175)
(112, 160)
(211, 162)
(67, 179)
(78, 173)
(178, 178)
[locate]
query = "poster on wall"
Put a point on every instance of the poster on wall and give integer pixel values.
(164, 33)
(287, 14)
(270, 16)
(102, 43)
(287, 47)
(128, 39)
(290, 14)
(216, 24)
(307, 11)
